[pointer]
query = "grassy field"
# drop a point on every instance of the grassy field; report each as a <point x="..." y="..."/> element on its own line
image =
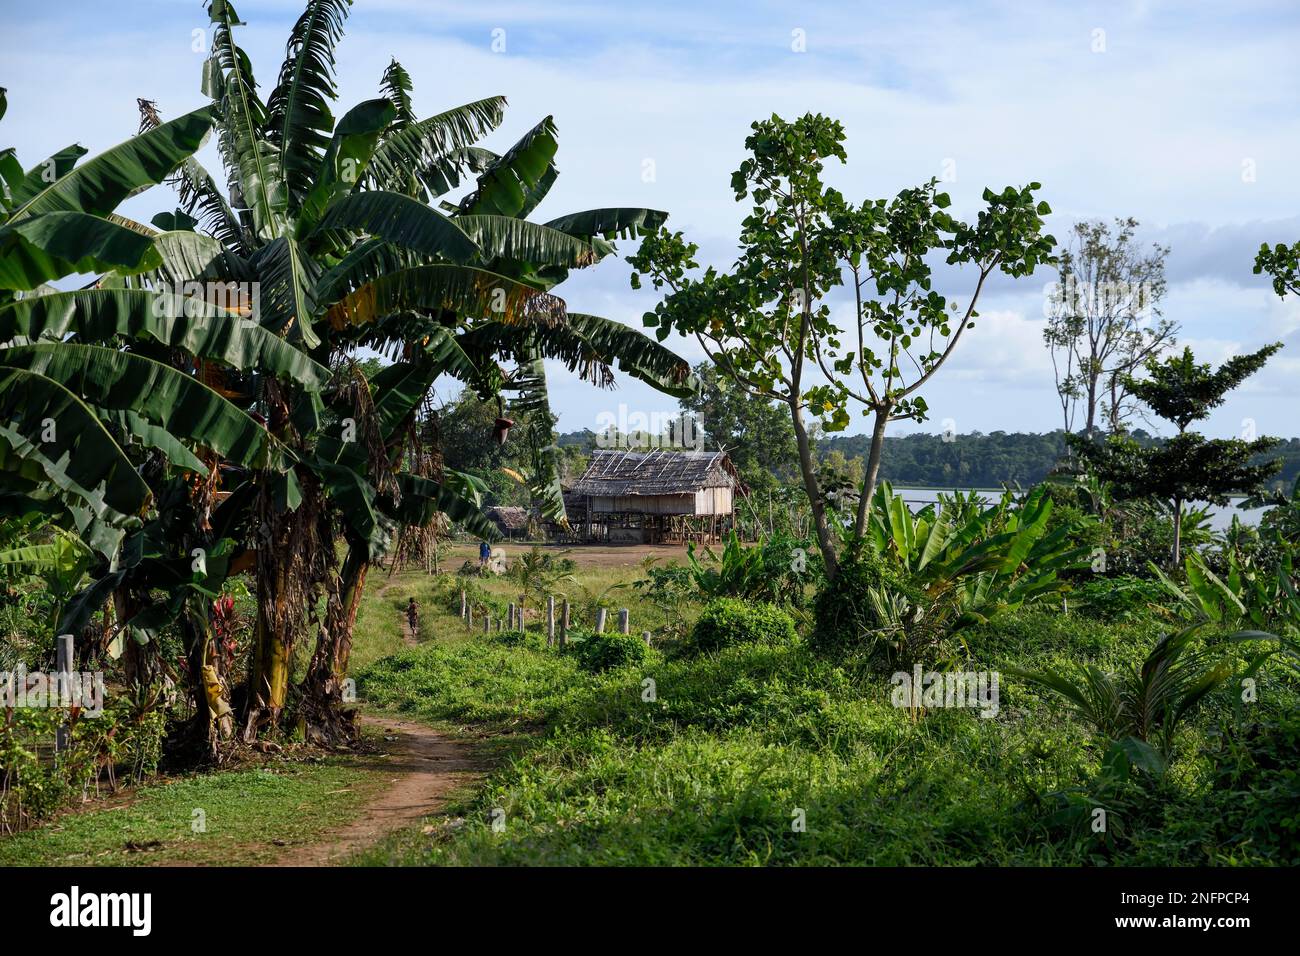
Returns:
<point x="250" y="816"/>
<point x="772" y="755"/>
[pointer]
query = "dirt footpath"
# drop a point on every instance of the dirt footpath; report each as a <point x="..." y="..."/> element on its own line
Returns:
<point x="427" y="768"/>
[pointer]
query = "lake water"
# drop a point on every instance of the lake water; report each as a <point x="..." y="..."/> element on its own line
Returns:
<point x="1220" y="517"/>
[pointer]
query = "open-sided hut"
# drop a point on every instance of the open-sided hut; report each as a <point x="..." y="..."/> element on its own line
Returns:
<point x="654" y="497"/>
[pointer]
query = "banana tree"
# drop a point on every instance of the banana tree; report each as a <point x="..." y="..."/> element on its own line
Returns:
<point x="331" y="223"/>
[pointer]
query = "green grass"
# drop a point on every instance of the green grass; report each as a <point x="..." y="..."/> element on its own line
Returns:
<point x="738" y="745"/>
<point x="244" y="812"/>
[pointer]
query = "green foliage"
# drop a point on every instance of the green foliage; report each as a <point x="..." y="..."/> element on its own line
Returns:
<point x="725" y="622"/>
<point x="1146" y="703"/>
<point x="601" y="652"/>
<point x="776" y="570"/>
<point x="918" y="579"/>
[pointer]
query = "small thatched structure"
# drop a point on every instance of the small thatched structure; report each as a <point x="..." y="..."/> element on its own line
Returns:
<point x="511" y="520"/>
<point x="655" y="496"/>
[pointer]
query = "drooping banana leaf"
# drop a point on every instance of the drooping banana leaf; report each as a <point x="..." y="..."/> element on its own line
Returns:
<point x="49" y="434"/>
<point x="414" y="149"/>
<point x="527" y="241"/>
<point x="47" y="172"/>
<point x="121" y="381"/>
<point x="98" y="185"/>
<point x="48" y="246"/>
<point x="460" y="289"/>
<point x="288" y="285"/>
<point x="98" y="316"/>
<point x="509" y="187"/>
<point x="423" y="498"/>
<point x="402" y="221"/>
<point x="345" y="161"/>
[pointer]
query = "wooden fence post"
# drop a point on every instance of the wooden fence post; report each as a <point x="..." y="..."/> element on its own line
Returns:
<point x="510" y="612"/>
<point x="487" y="623"/>
<point x="645" y="636"/>
<point x="469" y="618"/>
<point x="623" y="624"/>
<point x="550" y="620"/>
<point x="564" y="624"/>
<point x="464" y="604"/>
<point x="600" y="620"/>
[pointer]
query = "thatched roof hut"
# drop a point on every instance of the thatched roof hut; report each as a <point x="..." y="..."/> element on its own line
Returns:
<point x="511" y="520"/>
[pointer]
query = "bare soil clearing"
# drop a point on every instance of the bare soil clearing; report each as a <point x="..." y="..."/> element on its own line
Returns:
<point x="427" y="769"/>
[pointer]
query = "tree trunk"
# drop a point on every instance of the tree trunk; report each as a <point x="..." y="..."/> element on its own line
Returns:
<point x="269" y="674"/>
<point x="873" y="470"/>
<point x="1178" y="531"/>
<point x="324" y="719"/>
<point x="213" y="716"/>
<point x="813" y="490"/>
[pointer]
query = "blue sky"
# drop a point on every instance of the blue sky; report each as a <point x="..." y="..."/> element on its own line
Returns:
<point x="1158" y="124"/>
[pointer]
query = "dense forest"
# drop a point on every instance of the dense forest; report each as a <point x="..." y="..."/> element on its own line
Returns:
<point x="974" y="460"/>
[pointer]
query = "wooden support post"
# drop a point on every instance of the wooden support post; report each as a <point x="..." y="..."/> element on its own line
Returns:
<point x="600" y="620"/>
<point x="510" y="612"/>
<point x="464" y="604"/>
<point x="63" y="666"/>
<point x="564" y="624"/>
<point x="624" y="626"/>
<point x="645" y="636"/>
<point x="487" y="623"/>
<point x="550" y="620"/>
<point x="469" y="618"/>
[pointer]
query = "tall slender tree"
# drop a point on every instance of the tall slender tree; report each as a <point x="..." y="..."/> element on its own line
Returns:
<point x="768" y="324"/>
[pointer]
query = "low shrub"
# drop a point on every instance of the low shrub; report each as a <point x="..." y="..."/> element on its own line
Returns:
<point x="727" y="622"/>
<point x="602" y="652"/>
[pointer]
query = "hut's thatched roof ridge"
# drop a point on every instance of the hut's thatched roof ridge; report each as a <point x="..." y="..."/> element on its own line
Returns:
<point x="509" y="517"/>
<point x="616" y="473"/>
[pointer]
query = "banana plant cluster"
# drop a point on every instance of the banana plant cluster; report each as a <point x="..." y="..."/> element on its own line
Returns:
<point x="208" y="415"/>
<point x="981" y="560"/>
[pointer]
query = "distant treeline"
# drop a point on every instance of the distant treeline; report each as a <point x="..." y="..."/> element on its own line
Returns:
<point x="974" y="460"/>
<point x="978" y="460"/>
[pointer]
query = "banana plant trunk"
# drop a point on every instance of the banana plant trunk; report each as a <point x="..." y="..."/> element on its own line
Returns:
<point x="269" y="675"/>
<point x="213" y="715"/>
<point x="325" y="720"/>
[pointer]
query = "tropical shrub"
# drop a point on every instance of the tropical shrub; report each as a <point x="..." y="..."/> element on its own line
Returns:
<point x="1142" y="707"/>
<point x="775" y="571"/>
<point x="726" y="622"/>
<point x="916" y="580"/>
<point x="602" y="652"/>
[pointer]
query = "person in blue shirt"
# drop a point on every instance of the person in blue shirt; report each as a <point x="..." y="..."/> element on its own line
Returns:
<point x="484" y="554"/>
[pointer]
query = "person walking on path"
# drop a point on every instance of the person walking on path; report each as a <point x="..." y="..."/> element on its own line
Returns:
<point x="484" y="554"/>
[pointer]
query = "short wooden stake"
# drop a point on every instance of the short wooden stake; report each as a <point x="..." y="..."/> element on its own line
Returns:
<point x="564" y="624"/>
<point x="600" y="620"/>
<point x="645" y="636"/>
<point x="550" y="620"/>
<point x="624" y="626"/>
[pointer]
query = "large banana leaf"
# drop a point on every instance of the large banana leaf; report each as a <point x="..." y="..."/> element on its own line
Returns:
<point x="413" y="149"/>
<point x="98" y="316"/>
<point x="252" y="163"/>
<point x="299" y="119"/>
<point x="509" y="187"/>
<point x="402" y="221"/>
<point x="345" y="161"/>
<point x="120" y="381"/>
<point x="99" y="184"/>
<point x="459" y="289"/>
<point x="636" y="354"/>
<point x="288" y="287"/>
<point x="528" y="242"/>
<point x="423" y="498"/>
<point x="45" y="425"/>
<point x="191" y="256"/>
<point x="51" y="245"/>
